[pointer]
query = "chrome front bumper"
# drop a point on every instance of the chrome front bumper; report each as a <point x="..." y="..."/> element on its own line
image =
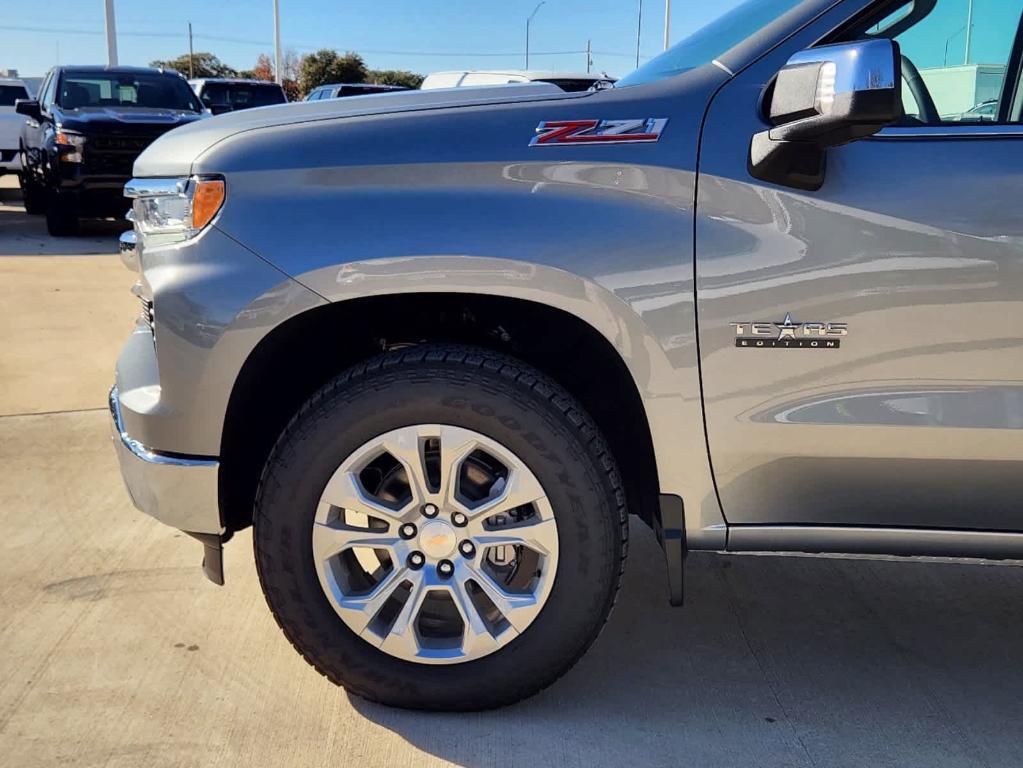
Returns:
<point x="178" y="491"/>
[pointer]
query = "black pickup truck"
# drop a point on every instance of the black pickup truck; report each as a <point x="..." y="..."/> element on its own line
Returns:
<point x="82" y="136"/>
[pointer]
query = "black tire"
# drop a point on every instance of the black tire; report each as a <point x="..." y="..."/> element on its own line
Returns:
<point x="61" y="215"/>
<point x="495" y="395"/>
<point x="33" y="196"/>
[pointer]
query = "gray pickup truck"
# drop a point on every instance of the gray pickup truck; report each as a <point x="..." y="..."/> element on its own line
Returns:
<point x="437" y="347"/>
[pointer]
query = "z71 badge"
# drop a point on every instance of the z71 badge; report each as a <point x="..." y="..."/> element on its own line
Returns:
<point x="560" y="132"/>
<point x="789" y="334"/>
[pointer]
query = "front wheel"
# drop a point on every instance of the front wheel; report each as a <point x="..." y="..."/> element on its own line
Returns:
<point x="61" y="215"/>
<point x="33" y="195"/>
<point x="441" y="528"/>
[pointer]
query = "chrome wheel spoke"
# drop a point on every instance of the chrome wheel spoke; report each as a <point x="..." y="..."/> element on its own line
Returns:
<point x="359" y="610"/>
<point x="330" y="539"/>
<point x="540" y="536"/>
<point x="401" y="640"/>
<point x="406" y="445"/>
<point x="520" y="488"/>
<point x="518" y="610"/>
<point x="455" y="446"/>
<point x="476" y="637"/>
<point x="345" y="492"/>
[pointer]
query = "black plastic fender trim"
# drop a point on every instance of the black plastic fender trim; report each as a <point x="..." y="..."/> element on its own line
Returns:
<point x="670" y="529"/>
<point x="213" y="556"/>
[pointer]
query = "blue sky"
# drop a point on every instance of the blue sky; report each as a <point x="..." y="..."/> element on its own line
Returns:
<point x="421" y="35"/>
<point x="389" y="33"/>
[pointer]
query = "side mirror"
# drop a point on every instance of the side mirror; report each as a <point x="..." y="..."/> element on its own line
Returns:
<point x="825" y="97"/>
<point x="29" y="108"/>
<point x="220" y="109"/>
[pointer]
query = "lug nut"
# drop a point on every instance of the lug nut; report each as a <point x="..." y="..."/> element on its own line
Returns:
<point x="467" y="548"/>
<point x="407" y="531"/>
<point x="445" y="568"/>
<point x="459" y="519"/>
<point x="430" y="510"/>
<point x="416" y="560"/>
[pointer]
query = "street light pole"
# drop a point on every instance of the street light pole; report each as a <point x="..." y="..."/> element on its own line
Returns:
<point x="969" y="32"/>
<point x="639" y="32"/>
<point x="111" y="34"/>
<point x="667" y="24"/>
<point x="191" y="54"/>
<point x="528" y="22"/>
<point x="277" y="43"/>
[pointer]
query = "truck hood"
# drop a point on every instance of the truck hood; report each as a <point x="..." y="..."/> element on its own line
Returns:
<point x="175" y="153"/>
<point x="134" y="120"/>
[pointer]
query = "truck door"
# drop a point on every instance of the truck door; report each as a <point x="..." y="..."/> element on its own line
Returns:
<point x="862" y="346"/>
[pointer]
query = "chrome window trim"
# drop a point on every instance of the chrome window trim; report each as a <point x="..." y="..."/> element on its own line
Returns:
<point x="155" y="187"/>
<point x="139" y="450"/>
<point x="950" y="132"/>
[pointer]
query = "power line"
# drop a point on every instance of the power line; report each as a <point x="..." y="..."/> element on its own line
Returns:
<point x="70" y="31"/>
<point x="264" y="43"/>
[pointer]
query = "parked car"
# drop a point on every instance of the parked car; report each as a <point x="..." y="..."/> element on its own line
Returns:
<point x="221" y="94"/>
<point x="84" y="132"/>
<point x="436" y="347"/>
<point x="566" y="81"/>
<point x="985" y="112"/>
<point x="341" y="90"/>
<point x="10" y="124"/>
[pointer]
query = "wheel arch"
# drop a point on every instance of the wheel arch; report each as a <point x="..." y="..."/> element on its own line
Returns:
<point x="575" y="330"/>
<point x="289" y="364"/>
<point x="291" y="361"/>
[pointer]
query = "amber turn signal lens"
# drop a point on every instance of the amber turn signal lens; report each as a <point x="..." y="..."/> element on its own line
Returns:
<point x="209" y="196"/>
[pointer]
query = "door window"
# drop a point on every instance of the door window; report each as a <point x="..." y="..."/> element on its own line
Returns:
<point x="956" y="56"/>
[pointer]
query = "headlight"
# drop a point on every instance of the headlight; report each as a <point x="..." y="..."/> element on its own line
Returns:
<point x="173" y="210"/>
<point x="69" y="145"/>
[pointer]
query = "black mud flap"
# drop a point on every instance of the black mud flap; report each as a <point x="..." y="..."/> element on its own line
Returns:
<point x="670" y="529"/>
<point x="213" y="556"/>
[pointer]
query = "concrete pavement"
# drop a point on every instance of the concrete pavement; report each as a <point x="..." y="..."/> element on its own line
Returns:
<point x="115" y="651"/>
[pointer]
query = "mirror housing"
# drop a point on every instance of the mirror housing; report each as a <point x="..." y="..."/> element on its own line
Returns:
<point x="825" y="97"/>
<point x="220" y="109"/>
<point x="29" y="108"/>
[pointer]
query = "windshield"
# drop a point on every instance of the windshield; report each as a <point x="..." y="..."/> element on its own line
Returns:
<point x="11" y="93"/>
<point x="242" y="95"/>
<point x="711" y="41"/>
<point x="118" y="89"/>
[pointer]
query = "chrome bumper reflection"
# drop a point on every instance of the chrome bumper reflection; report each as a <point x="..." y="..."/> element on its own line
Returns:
<point x="128" y="248"/>
<point x="178" y="491"/>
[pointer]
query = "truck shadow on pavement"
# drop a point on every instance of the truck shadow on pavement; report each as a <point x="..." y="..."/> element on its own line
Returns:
<point x="774" y="661"/>
<point x="24" y="235"/>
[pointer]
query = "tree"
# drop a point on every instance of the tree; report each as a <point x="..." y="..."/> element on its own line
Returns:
<point x="264" y="69"/>
<point x="327" y="66"/>
<point x="203" y="65"/>
<point x="395" y="77"/>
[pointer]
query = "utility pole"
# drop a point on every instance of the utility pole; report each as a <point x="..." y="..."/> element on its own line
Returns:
<point x="639" y="32"/>
<point x="278" y="75"/>
<point x="667" y="24"/>
<point x="589" y="56"/>
<point x="528" y="22"/>
<point x="969" y="32"/>
<point x="111" y="34"/>
<point x="191" y="55"/>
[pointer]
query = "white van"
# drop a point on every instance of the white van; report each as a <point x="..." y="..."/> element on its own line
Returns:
<point x="566" y="81"/>
<point x="10" y="123"/>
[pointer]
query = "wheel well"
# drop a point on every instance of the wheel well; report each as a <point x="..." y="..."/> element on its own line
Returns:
<point x="302" y="354"/>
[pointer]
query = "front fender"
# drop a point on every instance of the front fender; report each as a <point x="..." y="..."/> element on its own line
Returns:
<point x="457" y="201"/>
<point x="661" y="358"/>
